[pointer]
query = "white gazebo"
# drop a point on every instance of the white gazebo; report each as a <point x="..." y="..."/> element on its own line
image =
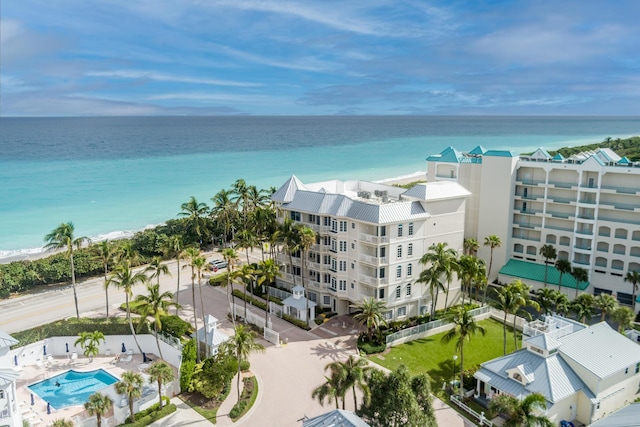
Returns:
<point x="296" y="305"/>
<point x="210" y="336"/>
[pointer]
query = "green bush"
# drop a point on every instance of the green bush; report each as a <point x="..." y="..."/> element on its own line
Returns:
<point x="245" y="365"/>
<point x="175" y="326"/>
<point x="237" y="409"/>
<point x="142" y="421"/>
<point x="150" y="409"/>
<point x="218" y="280"/>
<point x="214" y="375"/>
<point x="73" y="327"/>
<point x="188" y="366"/>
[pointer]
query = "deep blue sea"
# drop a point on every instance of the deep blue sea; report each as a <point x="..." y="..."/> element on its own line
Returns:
<point x="112" y="176"/>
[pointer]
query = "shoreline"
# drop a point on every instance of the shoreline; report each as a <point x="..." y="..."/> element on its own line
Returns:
<point x="33" y="254"/>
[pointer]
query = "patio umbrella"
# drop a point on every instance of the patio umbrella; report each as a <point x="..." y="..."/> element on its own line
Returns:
<point x="32" y="401"/>
<point x="144" y="357"/>
<point x="124" y="349"/>
<point x="67" y="346"/>
<point x="44" y="349"/>
<point x="48" y="408"/>
<point x="15" y="359"/>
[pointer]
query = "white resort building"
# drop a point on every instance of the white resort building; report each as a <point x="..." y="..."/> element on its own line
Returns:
<point x="586" y="206"/>
<point x="10" y="414"/>
<point x="370" y="238"/>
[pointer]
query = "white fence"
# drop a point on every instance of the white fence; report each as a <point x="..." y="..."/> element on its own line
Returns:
<point x="482" y="420"/>
<point x="279" y="293"/>
<point x="430" y="328"/>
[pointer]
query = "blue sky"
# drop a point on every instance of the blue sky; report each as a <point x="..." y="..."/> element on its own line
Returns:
<point x="191" y="57"/>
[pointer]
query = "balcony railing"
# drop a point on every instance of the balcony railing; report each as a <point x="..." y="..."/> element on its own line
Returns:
<point x="373" y="281"/>
<point x="563" y="184"/>
<point x="558" y="214"/>
<point x="618" y="189"/>
<point x="562" y="199"/>
<point x="374" y="239"/>
<point x="556" y="227"/>
<point x="373" y="259"/>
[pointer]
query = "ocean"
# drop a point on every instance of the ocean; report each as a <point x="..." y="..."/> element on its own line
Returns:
<point x="113" y="176"/>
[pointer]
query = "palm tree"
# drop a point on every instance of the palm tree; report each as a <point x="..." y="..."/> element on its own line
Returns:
<point x="431" y="278"/>
<point x="523" y="299"/>
<point x="633" y="277"/>
<point x="156" y="269"/>
<point x="506" y="301"/>
<point x="267" y="272"/>
<point x="162" y="373"/>
<point x="353" y="372"/>
<point x="546" y="299"/>
<point x="246" y="239"/>
<point x="332" y="388"/>
<point x="371" y="313"/>
<point x="124" y="278"/>
<point x="467" y="270"/>
<point x="103" y="252"/>
<point x="241" y="199"/>
<point x="194" y="260"/>
<point x="444" y="260"/>
<point x="519" y="413"/>
<point x="470" y="246"/>
<point x="231" y="257"/>
<point x="62" y="238"/>
<point x="562" y="303"/>
<point x="583" y="307"/>
<point x="155" y="304"/>
<point x="195" y="214"/>
<point x="306" y="238"/>
<point x="606" y="304"/>
<point x="98" y="404"/>
<point x="174" y="247"/>
<point x="623" y="316"/>
<point x="245" y="276"/>
<point x="548" y="252"/>
<point x="580" y="275"/>
<point x="89" y="342"/>
<point x="464" y="328"/>
<point x="241" y="345"/>
<point x="61" y="422"/>
<point x="563" y="266"/>
<point x="289" y="235"/>
<point x="493" y="242"/>
<point x="224" y="210"/>
<point x="131" y="386"/>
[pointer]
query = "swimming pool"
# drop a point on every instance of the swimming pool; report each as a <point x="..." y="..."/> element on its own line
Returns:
<point x="72" y="387"/>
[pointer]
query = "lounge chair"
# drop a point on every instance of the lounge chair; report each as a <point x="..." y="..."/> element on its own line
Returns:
<point x="127" y="359"/>
<point x="49" y="360"/>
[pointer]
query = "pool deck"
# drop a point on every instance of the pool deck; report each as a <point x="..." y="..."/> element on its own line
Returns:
<point x="36" y="414"/>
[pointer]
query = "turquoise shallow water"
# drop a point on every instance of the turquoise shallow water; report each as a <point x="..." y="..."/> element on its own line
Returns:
<point x="114" y="176"/>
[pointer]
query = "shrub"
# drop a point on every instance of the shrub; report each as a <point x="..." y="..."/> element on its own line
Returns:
<point x="218" y="280"/>
<point x="142" y="421"/>
<point x="188" y="365"/>
<point x="174" y="325"/>
<point x="245" y="365"/>
<point x="214" y="375"/>
<point x="371" y="348"/>
<point x="237" y="409"/>
<point x="150" y="409"/>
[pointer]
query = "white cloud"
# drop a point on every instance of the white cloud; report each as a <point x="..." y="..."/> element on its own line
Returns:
<point x="153" y="75"/>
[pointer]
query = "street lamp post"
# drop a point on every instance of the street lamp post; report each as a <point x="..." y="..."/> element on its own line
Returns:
<point x="453" y="376"/>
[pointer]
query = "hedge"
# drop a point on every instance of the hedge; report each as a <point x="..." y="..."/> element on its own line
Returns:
<point x="72" y="327"/>
<point x="261" y="305"/>
<point x="154" y="416"/>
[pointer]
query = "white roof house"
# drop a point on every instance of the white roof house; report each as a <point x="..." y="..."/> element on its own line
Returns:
<point x="210" y="336"/>
<point x="370" y="238"/>
<point x="335" y="418"/>
<point x="585" y="374"/>
<point x="9" y="411"/>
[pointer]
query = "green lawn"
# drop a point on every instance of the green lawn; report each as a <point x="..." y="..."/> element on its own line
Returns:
<point x="430" y="355"/>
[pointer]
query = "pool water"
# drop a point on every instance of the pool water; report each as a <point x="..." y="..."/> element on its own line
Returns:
<point x="72" y="388"/>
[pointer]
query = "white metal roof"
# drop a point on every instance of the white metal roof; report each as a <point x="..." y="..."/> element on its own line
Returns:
<point x="335" y="418"/>
<point x="7" y="340"/>
<point x="438" y="190"/>
<point x="600" y="349"/>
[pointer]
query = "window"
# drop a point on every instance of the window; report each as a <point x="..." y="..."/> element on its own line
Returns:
<point x="381" y="273"/>
<point x="327" y="240"/>
<point x="397" y="291"/>
<point x="327" y="260"/>
<point x="334" y="245"/>
<point x="402" y="311"/>
<point x="343" y="226"/>
<point x="326" y="300"/>
<point x="353" y="285"/>
<point x="353" y="265"/>
<point x="334" y="225"/>
<point x="637" y="367"/>
<point x="409" y="290"/>
<point x="399" y="251"/>
<point x="296" y="270"/>
<point x="409" y="269"/>
<point x="343" y="285"/>
<point x="626" y="370"/>
<point x="388" y="315"/>
<point x="383" y="252"/>
<point x="343" y="246"/>
<point x="327" y="221"/>
<point x="343" y="265"/>
<point x="294" y="215"/>
<point x="313" y="297"/>
<point x="353" y="245"/>
<point x="333" y="284"/>
<point x="410" y="249"/>
<point x="398" y="272"/>
<point x="334" y="264"/>
<point x="381" y="293"/>
<point x="353" y="225"/>
<point x="326" y="278"/>
<point x="410" y="229"/>
<point x="399" y="230"/>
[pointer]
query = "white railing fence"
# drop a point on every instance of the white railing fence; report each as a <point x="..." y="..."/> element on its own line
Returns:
<point x="482" y="420"/>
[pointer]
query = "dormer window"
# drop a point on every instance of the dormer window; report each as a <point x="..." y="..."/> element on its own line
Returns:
<point x="517" y="377"/>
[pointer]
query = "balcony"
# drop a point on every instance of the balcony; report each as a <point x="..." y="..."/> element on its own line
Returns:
<point x="374" y="239"/>
<point x="562" y="200"/>
<point x="562" y="184"/>
<point x="555" y="227"/>
<point x="587" y="201"/>
<point x="373" y="260"/>
<point x="527" y="225"/>
<point x="558" y="214"/>
<point x="585" y="231"/>
<point x="625" y="221"/>
<point x="621" y="190"/>
<point x="581" y="262"/>
<point x="619" y="206"/>
<point x="528" y="196"/>
<point x="526" y="181"/>
<point x="373" y="281"/>
<point x="524" y="237"/>
<point x="528" y="211"/>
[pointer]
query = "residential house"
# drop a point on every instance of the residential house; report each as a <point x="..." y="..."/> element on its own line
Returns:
<point x="10" y="415"/>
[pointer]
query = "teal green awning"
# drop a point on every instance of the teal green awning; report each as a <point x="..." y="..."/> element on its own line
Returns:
<point x="532" y="271"/>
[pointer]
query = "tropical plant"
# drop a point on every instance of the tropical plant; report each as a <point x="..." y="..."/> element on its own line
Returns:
<point x="231" y="257"/>
<point x="155" y="304"/>
<point x="161" y="373"/>
<point x="398" y="400"/>
<point x="333" y="388"/>
<point x="563" y="266"/>
<point x="241" y="345"/>
<point x="241" y="191"/>
<point x="103" y="251"/>
<point x="224" y="210"/>
<point x="580" y="275"/>
<point x="562" y="304"/>
<point x="468" y="271"/>
<point x="194" y="260"/>
<point x="606" y="304"/>
<point x="61" y="422"/>
<point x="98" y="404"/>
<point x="633" y="277"/>
<point x="157" y="268"/>
<point x="623" y="316"/>
<point x="62" y="237"/>
<point x="174" y="247"/>
<point x="583" y="307"/>
<point x="123" y="277"/>
<point x="444" y="261"/>
<point x="245" y="275"/>
<point x="90" y="342"/>
<point x="352" y="373"/>
<point x="546" y="299"/>
<point x="548" y="252"/>
<point x="464" y="327"/>
<point x="523" y="299"/>
<point x="493" y="242"/>
<point x="470" y="246"/>
<point x="267" y="272"/>
<point x="371" y="312"/>
<point x="289" y="235"/>
<point x="306" y="238"/>
<point x="131" y="386"/>
<point x="519" y="413"/>
<point x="195" y="217"/>
<point x="431" y="278"/>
